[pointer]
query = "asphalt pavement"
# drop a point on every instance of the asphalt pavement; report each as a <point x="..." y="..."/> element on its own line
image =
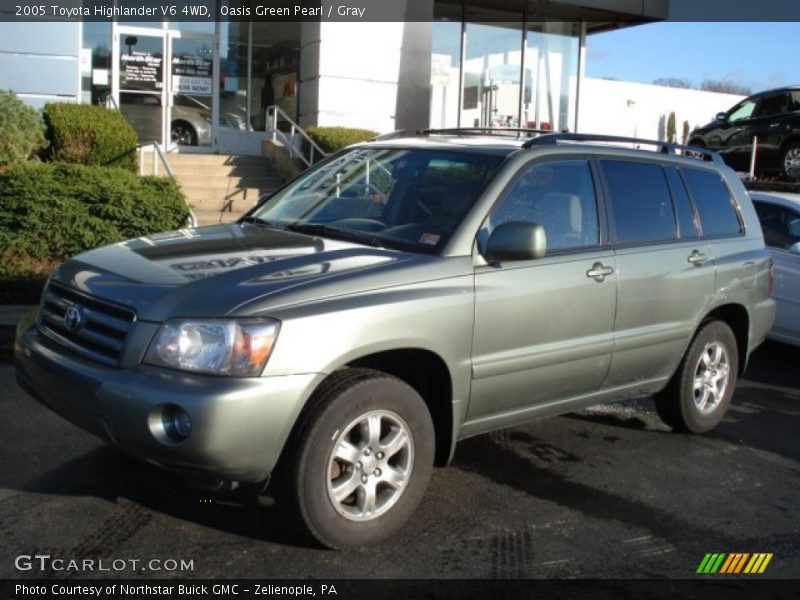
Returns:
<point x="606" y="492"/>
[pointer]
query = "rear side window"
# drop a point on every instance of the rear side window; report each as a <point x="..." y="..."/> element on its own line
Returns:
<point x="780" y="225"/>
<point x="714" y="203"/>
<point x="641" y="205"/>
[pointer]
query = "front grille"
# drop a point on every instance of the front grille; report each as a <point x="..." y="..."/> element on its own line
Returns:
<point x="100" y="333"/>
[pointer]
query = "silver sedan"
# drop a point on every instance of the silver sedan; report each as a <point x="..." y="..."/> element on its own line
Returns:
<point x="779" y="214"/>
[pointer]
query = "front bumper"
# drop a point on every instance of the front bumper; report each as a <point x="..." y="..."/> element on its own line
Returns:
<point x="239" y="425"/>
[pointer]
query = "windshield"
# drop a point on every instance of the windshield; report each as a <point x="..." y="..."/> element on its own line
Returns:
<point x="395" y="197"/>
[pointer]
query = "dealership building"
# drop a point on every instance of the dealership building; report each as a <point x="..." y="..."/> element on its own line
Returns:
<point x="206" y="85"/>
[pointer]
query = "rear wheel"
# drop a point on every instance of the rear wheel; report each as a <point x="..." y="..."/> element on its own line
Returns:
<point x="700" y="392"/>
<point x="790" y="162"/>
<point x="362" y="459"/>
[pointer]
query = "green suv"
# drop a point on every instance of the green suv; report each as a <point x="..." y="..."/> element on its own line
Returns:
<point x="404" y="294"/>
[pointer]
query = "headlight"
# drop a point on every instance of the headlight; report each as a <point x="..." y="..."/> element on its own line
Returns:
<point x="219" y="346"/>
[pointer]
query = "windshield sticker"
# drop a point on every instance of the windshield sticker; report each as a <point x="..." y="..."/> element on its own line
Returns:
<point x="429" y="238"/>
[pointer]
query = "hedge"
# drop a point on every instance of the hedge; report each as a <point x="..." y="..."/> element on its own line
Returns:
<point x="331" y="139"/>
<point x="50" y="211"/>
<point x="21" y="130"/>
<point x="89" y="135"/>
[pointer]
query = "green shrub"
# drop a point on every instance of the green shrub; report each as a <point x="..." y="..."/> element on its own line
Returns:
<point x="21" y="130"/>
<point x="50" y="211"/>
<point x="331" y="139"/>
<point x="85" y="134"/>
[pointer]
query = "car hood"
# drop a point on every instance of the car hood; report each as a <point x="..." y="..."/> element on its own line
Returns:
<point x="710" y="126"/>
<point x="224" y="269"/>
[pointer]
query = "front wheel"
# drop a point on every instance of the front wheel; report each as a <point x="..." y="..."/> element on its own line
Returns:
<point x="697" y="397"/>
<point x="363" y="458"/>
<point x="183" y="134"/>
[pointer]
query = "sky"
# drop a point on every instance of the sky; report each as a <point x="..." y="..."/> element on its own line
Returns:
<point x="757" y="55"/>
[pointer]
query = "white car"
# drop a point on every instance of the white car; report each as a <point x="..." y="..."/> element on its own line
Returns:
<point x="779" y="214"/>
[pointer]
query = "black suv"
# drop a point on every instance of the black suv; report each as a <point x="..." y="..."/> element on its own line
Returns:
<point x="773" y="117"/>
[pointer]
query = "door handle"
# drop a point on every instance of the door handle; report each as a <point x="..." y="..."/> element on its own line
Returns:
<point x="599" y="272"/>
<point x="697" y="258"/>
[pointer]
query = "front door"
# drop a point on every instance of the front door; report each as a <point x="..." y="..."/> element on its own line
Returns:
<point x="163" y="83"/>
<point x="544" y="328"/>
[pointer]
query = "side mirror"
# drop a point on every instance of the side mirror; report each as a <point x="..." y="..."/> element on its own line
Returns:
<point x="516" y="241"/>
<point x="795" y="248"/>
<point x="721" y="118"/>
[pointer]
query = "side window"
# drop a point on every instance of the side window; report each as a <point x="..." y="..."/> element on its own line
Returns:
<point x="557" y="195"/>
<point x="713" y="201"/>
<point x="772" y="105"/>
<point x="794" y="102"/>
<point x="781" y="226"/>
<point x="641" y="206"/>
<point x="683" y="206"/>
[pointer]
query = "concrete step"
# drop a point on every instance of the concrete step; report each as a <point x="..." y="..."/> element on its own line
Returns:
<point x="213" y="217"/>
<point x="176" y="158"/>
<point x="200" y="195"/>
<point x="228" y="182"/>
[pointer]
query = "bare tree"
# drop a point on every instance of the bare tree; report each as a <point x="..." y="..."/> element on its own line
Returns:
<point x="671" y="127"/>
<point x="725" y="87"/>
<point x="675" y="82"/>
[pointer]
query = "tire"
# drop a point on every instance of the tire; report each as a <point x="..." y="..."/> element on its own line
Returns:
<point x="711" y="363"/>
<point x="367" y="490"/>
<point x="183" y="134"/>
<point x="790" y="162"/>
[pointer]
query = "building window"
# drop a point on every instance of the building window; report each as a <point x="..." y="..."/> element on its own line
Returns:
<point x="492" y="64"/>
<point x="514" y="74"/>
<point x="551" y="75"/>
<point x="233" y="73"/>
<point x="96" y="62"/>
<point x="445" y="65"/>
<point x="275" y="69"/>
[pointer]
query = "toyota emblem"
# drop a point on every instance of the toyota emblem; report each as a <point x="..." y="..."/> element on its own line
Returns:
<point x="73" y="317"/>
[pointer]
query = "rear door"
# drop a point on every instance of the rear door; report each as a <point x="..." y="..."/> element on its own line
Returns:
<point x="544" y="328"/>
<point x="666" y="275"/>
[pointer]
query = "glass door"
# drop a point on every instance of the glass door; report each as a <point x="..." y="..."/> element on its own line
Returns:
<point x="163" y="83"/>
<point x="138" y="83"/>
<point x="191" y="91"/>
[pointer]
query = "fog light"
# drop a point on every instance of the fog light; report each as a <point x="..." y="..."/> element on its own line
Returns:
<point x="177" y="423"/>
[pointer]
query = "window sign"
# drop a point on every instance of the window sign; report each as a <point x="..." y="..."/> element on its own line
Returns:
<point x="191" y="74"/>
<point x="141" y="63"/>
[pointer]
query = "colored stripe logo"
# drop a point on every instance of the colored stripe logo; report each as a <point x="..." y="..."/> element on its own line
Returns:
<point x="734" y="563"/>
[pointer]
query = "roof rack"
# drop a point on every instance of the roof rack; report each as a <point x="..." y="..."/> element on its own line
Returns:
<point x="663" y="147"/>
<point x="515" y="132"/>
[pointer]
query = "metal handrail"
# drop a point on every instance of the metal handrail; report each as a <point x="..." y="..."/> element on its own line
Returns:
<point x="271" y="116"/>
<point x="158" y="154"/>
<point x="111" y="104"/>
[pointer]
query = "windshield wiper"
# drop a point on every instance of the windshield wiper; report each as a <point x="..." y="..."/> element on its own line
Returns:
<point x="265" y="222"/>
<point x="332" y="232"/>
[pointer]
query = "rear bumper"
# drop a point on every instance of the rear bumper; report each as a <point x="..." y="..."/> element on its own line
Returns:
<point x="239" y="426"/>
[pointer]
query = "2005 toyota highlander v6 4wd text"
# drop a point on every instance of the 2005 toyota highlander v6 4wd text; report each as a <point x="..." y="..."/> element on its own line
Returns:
<point x="406" y="293"/>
